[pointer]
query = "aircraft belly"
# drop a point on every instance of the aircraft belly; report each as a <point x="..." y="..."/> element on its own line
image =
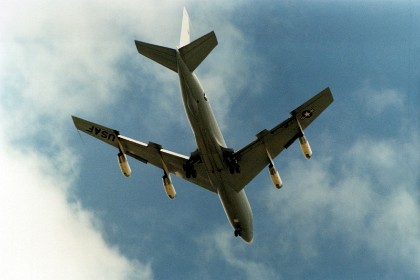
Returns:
<point x="237" y="209"/>
<point x="204" y="126"/>
<point x="210" y="142"/>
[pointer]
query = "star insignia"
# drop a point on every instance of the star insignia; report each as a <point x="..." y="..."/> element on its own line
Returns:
<point x="307" y="114"/>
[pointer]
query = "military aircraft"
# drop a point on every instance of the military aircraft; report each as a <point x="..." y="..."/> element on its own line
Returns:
<point x="213" y="165"/>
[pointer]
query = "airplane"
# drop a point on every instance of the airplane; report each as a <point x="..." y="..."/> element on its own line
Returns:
<point x="213" y="166"/>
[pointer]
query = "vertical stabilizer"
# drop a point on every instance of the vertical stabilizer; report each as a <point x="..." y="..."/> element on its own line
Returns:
<point x="185" y="30"/>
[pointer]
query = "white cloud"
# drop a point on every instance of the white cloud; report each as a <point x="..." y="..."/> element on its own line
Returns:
<point x="378" y="101"/>
<point x="372" y="201"/>
<point x="57" y="58"/>
<point x="46" y="235"/>
<point x="227" y="71"/>
<point x="219" y="244"/>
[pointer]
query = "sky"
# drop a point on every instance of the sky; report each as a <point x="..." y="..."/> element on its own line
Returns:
<point x="350" y="212"/>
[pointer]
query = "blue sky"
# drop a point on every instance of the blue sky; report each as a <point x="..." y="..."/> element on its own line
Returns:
<point x="350" y="212"/>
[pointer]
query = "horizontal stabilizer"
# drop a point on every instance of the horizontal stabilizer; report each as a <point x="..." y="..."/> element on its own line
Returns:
<point x="195" y="52"/>
<point x="162" y="55"/>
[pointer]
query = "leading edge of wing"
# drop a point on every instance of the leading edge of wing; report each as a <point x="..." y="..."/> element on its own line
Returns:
<point x="147" y="153"/>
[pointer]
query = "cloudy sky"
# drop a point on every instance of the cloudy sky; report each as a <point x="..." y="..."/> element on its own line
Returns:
<point x="350" y="212"/>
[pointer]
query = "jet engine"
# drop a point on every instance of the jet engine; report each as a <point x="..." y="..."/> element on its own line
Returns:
<point x="125" y="167"/>
<point x="306" y="148"/>
<point x="169" y="187"/>
<point x="275" y="176"/>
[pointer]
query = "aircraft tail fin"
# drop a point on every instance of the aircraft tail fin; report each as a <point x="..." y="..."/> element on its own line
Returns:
<point x="185" y="30"/>
<point x="194" y="53"/>
<point x="191" y="53"/>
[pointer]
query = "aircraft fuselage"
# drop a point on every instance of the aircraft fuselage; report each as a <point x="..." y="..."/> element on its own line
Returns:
<point x="212" y="148"/>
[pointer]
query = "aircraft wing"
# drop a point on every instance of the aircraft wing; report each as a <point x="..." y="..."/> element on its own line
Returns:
<point x="254" y="157"/>
<point x="147" y="153"/>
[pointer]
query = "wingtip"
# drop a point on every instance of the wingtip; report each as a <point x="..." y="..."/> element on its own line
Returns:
<point x="75" y="121"/>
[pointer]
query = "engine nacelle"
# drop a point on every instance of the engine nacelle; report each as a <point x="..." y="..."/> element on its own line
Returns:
<point x="306" y="148"/>
<point x="169" y="188"/>
<point x="125" y="167"/>
<point x="275" y="176"/>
